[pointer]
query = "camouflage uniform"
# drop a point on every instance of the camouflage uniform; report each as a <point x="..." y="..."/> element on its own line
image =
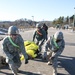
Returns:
<point x="54" y="52"/>
<point x="39" y="36"/>
<point x="12" y="52"/>
<point x="45" y="27"/>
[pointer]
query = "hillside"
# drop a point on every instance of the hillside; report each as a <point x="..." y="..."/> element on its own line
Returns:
<point x="21" y="23"/>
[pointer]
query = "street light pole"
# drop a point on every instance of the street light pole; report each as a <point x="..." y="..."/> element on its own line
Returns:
<point x="33" y="18"/>
<point x="74" y="20"/>
<point x="69" y="21"/>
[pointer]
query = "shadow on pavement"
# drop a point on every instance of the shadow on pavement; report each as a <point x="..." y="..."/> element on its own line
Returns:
<point x="70" y="44"/>
<point x="20" y="72"/>
<point x="60" y="74"/>
<point x="4" y="68"/>
<point x="27" y="73"/>
<point x="5" y="73"/>
<point x="40" y="60"/>
<point x="68" y="63"/>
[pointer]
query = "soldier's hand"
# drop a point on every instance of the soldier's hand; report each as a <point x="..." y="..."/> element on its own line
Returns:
<point x="26" y="61"/>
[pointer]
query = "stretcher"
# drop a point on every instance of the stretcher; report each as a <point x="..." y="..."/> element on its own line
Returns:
<point x="31" y="49"/>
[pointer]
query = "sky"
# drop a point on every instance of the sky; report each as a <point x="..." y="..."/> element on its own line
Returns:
<point x="37" y="10"/>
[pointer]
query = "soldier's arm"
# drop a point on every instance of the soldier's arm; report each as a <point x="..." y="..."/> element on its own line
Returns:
<point x="61" y="48"/>
<point x="44" y="36"/>
<point x="34" y="35"/>
<point x="22" y="47"/>
<point x="6" y="51"/>
<point x="45" y="47"/>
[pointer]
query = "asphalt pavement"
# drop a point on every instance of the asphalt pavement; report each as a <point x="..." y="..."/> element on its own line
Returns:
<point x="66" y="62"/>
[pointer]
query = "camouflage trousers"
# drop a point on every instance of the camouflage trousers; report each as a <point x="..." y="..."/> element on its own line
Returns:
<point x="14" y="67"/>
<point x="53" y="61"/>
<point x="40" y="44"/>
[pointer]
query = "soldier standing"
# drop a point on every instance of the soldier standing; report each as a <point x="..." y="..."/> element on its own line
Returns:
<point x="45" y="27"/>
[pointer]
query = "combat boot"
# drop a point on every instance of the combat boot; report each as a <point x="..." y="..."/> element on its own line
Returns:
<point x="49" y="63"/>
<point x="54" y="72"/>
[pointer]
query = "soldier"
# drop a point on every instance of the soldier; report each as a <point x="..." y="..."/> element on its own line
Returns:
<point x="56" y="45"/>
<point x="45" y="27"/>
<point x="13" y="45"/>
<point x="39" y="35"/>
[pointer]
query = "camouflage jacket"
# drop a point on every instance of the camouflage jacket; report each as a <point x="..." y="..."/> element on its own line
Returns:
<point x="12" y="51"/>
<point x="50" y="45"/>
<point x="39" y="35"/>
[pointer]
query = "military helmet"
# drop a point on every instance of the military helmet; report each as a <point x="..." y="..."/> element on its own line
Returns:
<point x="58" y="35"/>
<point x="13" y="30"/>
<point x="38" y="25"/>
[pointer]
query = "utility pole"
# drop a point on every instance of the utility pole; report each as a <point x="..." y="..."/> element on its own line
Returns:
<point x="69" y="21"/>
<point x="32" y="18"/>
<point x="74" y="20"/>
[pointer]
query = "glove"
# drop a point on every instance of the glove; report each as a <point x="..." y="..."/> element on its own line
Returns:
<point x="26" y="61"/>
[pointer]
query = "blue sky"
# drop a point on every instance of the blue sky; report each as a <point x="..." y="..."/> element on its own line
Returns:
<point x="39" y="9"/>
